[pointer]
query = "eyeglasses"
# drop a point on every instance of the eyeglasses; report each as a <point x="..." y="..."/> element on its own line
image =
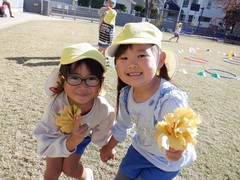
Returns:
<point x="75" y="80"/>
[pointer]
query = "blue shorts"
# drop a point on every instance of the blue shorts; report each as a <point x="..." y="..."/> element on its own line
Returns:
<point x="176" y="35"/>
<point x="134" y="165"/>
<point x="81" y="147"/>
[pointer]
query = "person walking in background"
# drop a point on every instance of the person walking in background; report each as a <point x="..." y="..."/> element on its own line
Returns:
<point x="145" y="96"/>
<point x="177" y="32"/>
<point x="7" y="3"/>
<point x="2" y="11"/>
<point x="106" y="26"/>
<point x="62" y="138"/>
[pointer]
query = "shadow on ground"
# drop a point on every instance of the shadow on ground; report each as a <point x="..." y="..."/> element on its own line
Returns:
<point x="46" y="61"/>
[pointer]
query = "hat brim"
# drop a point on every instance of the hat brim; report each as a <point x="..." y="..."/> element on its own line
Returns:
<point x="78" y="52"/>
<point x="171" y="62"/>
<point x="111" y="50"/>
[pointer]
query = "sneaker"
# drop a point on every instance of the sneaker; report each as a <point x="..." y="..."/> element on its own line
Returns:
<point x="89" y="174"/>
<point x="107" y="61"/>
<point x="12" y="16"/>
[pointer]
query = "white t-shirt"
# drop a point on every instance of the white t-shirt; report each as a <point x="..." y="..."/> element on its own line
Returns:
<point x="144" y="116"/>
<point x="51" y="142"/>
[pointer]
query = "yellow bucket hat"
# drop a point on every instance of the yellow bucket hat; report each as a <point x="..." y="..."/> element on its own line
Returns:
<point x="143" y="33"/>
<point x="70" y="55"/>
<point x="81" y="51"/>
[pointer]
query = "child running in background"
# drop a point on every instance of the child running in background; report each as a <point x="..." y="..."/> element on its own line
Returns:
<point x="177" y="32"/>
<point x="78" y="81"/>
<point x="145" y="96"/>
<point x="106" y="26"/>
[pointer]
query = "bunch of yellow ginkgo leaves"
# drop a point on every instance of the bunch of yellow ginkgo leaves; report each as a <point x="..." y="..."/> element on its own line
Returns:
<point x="66" y="118"/>
<point x="178" y="130"/>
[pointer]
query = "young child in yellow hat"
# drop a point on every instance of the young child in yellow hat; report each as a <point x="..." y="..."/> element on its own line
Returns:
<point x="106" y="26"/>
<point x="145" y="96"/>
<point x="177" y="32"/>
<point x="76" y="114"/>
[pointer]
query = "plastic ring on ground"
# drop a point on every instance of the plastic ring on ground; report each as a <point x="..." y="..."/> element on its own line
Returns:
<point x="233" y="76"/>
<point x="236" y="58"/>
<point x="232" y="62"/>
<point x="196" y="59"/>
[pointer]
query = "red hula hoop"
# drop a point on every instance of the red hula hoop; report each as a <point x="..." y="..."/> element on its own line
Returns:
<point x="196" y="59"/>
<point x="236" y="58"/>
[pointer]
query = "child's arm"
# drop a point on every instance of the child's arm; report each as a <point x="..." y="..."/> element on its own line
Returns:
<point x="102" y="11"/>
<point x="78" y="134"/>
<point x="107" y="152"/>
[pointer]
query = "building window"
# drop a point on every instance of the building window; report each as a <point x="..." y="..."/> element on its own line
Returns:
<point x="170" y="14"/>
<point x="182" y="17"/>
<point x="204" y="19"/>
<point x="209" y="4"/>
<point x="195" y="1"/>
<point x="185" y="3"/>
<point x="190" y="18"/>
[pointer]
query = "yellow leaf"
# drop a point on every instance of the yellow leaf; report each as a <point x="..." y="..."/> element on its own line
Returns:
<point x="179" y="129"/>
<point x="66" y="118"/>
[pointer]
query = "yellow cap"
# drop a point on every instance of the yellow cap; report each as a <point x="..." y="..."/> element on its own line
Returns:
<point x="143" y="33"/>
<point x="179" y="24"/>
<point x="110" y="17"/>
<point x="81" y="51"/>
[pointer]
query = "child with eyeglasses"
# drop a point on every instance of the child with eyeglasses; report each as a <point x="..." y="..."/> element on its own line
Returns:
<point x="78" y="81"/>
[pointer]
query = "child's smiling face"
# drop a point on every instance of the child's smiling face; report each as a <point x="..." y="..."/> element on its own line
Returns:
<point x="82" y="95"/>
<point x="137" y="66"/>
<point x="110" y="4"/>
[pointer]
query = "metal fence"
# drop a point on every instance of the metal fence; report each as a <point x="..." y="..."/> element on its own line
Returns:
<point x="71" y="11"/>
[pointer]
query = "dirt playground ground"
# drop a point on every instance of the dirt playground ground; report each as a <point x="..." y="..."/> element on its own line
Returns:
<point x="28" y="53"/>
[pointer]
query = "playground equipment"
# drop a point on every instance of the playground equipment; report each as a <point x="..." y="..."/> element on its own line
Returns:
<point x="213" y="26"/>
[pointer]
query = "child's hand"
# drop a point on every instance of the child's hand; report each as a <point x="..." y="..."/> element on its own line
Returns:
<point x="174" y="155"/>
<point x="107" y="153"/>
<point x="79" y="131"/>
<point x="108" y="8"/>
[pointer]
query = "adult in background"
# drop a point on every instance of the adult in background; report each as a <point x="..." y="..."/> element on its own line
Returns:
<point x="7" y="3"/>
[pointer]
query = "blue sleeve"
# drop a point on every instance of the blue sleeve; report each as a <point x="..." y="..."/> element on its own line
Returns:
<point x="172" y="99"/>
<point x="123" y="123"/>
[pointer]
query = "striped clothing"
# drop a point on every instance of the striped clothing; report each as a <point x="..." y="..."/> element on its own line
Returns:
<point x="106" y="33"/>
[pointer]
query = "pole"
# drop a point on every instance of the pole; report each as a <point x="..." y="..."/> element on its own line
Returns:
<point x="179" y="13"/>
<point x="41" y="7"/>
<point x="162" y="11"/>
<point x="200" y="18"/>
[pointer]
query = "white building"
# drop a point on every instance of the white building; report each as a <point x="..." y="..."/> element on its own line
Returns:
<point x="209" y="11"/>
<point x="16" y="5"/>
